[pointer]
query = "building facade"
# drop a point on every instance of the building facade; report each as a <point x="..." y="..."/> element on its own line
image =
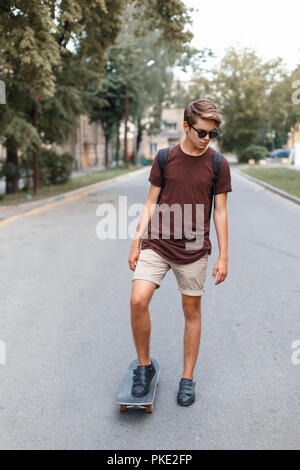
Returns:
<point x="86" y="143"/>
<point x="171" y="133"/>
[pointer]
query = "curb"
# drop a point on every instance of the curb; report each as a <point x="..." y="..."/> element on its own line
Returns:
<point x="282" y="193"/>
<point x="92" y="187"/>
<point x="28" y="207"/>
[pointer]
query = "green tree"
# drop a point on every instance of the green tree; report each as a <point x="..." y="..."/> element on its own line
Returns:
<point x="241" y="87"/>
<point x="284" y="105"/>
<point x="61" y="47"/>
<point x="58" y="46"/>
<point x="139" y="67"/>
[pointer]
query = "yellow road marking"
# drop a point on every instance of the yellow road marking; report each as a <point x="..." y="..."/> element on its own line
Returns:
<point x="93" y="187"/>
<point x="39" y="209"/>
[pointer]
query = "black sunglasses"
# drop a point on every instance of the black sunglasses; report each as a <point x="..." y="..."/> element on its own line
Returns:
<point x="202" y="133"/>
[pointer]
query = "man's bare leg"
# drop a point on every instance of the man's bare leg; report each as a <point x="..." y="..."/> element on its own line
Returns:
<point x="141" y="295"/>
<point x="192" y="312"/>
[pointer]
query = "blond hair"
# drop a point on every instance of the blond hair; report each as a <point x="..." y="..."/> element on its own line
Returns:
<point x="201" y="108"/>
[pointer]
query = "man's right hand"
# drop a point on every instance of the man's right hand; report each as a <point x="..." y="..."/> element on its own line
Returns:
<point x="134" y="256"/>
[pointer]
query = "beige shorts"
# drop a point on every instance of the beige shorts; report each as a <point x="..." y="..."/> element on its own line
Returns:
<point x="190" y="277"/>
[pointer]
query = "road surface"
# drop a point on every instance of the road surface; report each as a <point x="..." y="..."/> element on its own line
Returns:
<point x="65" y="327"/>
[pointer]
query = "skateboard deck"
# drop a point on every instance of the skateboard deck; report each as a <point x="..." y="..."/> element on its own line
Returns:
<point x="126" y="400"/>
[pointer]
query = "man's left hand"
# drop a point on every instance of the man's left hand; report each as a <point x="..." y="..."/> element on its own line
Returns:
<point x="220" y="268"/>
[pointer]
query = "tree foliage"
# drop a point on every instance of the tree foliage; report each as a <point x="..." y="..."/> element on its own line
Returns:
<point x="285" y="102"/>
<point x="241" y="87"/>
<point x="61" y="47"/>
<point x="139" y="61"/>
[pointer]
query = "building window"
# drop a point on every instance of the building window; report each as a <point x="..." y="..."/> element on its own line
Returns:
<point x="172" y="126"/>
<point x="153" y="148"/>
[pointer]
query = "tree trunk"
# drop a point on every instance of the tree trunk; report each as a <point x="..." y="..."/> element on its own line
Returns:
<point x="106" y="150"/>
<point x="35" y="157"/>
<point x="139" y="135"/>
<point x="12" y="177"/>
<point x="118" y="144"/>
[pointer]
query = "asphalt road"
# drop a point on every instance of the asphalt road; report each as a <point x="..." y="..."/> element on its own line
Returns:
<point x="65" y="323"/>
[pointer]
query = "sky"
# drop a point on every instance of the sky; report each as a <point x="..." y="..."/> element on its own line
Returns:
<point x="272" y="28"/>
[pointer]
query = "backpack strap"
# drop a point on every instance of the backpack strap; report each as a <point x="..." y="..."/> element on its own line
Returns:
<point x="217" y="163"/>
<point x="162" y="160"/>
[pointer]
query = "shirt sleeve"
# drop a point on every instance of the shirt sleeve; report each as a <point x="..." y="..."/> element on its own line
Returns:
<point x="155" y="174"/>
<point x="224" y="179"/>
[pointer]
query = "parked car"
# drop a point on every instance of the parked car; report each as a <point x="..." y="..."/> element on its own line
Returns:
<point x="280" y="153"/>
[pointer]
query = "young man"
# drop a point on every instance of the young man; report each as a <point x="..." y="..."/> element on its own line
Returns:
<point x="188" y="180"/>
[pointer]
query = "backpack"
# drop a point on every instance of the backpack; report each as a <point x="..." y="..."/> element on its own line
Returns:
<point x="217" y="163"/>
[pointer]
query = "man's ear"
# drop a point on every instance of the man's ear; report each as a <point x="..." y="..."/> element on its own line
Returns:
<point x="185" y="126"/>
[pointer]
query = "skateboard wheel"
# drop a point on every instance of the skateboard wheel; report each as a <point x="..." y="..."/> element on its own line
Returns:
<point x="122" y="408"/>
<point x="149" y="408"/>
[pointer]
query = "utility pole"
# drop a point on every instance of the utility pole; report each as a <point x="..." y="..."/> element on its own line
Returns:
<point x="149" y="63"/>
<point x="32" y="92"/>
<point x="35" y="156"/>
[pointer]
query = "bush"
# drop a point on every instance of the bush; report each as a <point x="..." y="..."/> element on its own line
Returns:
<point x="54" y="168"/>
<point x="257" y="152"/>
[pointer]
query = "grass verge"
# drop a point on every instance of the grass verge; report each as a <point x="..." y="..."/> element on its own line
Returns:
<point x="281" y="178"/>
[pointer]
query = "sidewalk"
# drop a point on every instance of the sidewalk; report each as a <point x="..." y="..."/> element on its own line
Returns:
<point x="12" y="211"/>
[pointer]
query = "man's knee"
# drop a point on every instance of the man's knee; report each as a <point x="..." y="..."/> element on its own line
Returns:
<point x="138" y="303"/>
<point x="192" y="308"/>
<point x="191" y="314"/>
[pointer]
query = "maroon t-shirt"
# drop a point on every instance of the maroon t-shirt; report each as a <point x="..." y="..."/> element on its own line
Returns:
<point x="188" y="181"/>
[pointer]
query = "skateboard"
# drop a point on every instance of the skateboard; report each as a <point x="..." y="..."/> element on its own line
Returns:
<point x="126" y="400"/>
